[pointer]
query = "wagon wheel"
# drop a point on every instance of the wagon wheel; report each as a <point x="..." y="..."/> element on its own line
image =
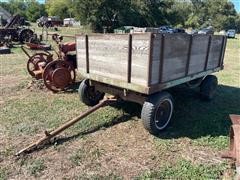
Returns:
<point x="58" y="75"/>
<point x="157" y="112"/>
<point x="88" y="94"/>
<point x="33" y="62"/>
<point x="208" y="87"/>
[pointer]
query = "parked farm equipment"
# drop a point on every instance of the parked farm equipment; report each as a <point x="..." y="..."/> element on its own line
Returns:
<point x="14" y="31"/>
<point x="59" y="73"/>
<point x="140" y="68"/>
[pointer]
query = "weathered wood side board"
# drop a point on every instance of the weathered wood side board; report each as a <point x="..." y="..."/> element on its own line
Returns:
<point x="148" y="62"/>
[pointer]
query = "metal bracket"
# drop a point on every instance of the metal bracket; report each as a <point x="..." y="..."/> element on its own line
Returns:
<point x="234" y="152"/>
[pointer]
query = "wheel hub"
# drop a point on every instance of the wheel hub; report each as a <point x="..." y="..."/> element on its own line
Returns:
<point x="61" y="77"/>
<point x="163" y="114"/>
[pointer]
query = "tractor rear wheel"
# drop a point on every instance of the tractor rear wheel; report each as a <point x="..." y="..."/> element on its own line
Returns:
<point x="25" y="35"/>
<point x="59" y="75"/>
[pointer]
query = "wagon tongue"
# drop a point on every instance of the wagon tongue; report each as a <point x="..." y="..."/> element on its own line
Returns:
<point x="234" y="152"/>
<point x="49" y="135"/>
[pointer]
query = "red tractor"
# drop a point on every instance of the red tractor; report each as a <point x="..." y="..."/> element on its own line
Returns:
<point x="57" y="74"/>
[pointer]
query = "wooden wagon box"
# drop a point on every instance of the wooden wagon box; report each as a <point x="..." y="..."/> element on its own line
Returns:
<point x="148" y="62"/>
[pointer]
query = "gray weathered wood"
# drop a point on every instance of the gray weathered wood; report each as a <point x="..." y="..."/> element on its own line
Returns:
<point x="167" y="61"/>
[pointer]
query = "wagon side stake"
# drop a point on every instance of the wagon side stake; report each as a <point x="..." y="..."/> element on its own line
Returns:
<point x="49" y="135"/>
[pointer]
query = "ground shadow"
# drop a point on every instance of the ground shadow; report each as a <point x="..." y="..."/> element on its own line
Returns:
<point x="73" y="88"/>
<point x="193" y="118"/>
<point x="129" y="113"/>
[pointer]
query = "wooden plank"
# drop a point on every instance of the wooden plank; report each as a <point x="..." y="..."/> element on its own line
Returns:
<point x="140" y="54"/>
<point x="175" y="56"/>
<point x="198" y="53"/>
<point x="156" y="58"/>
<point x="117" y="83"/>
<point x="109" y="55"/>
<point x="159" y="87"/>
<point x="215" y="52"/>
<point x="81" y="53"/>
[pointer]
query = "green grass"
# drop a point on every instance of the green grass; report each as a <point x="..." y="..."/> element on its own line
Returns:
<point x="195" y="125"/>
<point x="35" y="167"/>
<point x="185" y="170"/>
<point x="3" y="173"/>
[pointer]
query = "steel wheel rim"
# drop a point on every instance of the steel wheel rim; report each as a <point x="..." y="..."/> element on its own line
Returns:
<point x="47" y="77"/>
<point x="163" y="114"/>
<point x="33" y="62"/>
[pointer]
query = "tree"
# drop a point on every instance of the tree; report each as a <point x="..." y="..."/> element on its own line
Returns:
<point x="35" y="10"/>
<point x="30" y="9"/>
<point x="112" y="13"/>
<point x="60" y="8"/>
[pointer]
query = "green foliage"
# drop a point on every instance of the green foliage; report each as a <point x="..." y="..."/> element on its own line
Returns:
<point x="61" y="8"/>
<point x="112" y="14"/>
<point x="3" y="173"/>
<point x="30" y="9"/>
<point x="35" y="10"/>
<point x="35" y="167"/>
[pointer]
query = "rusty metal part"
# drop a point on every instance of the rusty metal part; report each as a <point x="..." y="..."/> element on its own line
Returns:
<point x="67" y="47"/>
<point x="38" y="46"/>
<point x="36" y="64"/>
<point x="15" y="30"/>
<point x="49" y="135"/>
<point x="58" y="75"/>
<point x="234" y="152"/>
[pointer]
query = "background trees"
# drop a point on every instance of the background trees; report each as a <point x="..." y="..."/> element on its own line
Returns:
<point x="111" y="14"/>
<point x="30" y="9"/>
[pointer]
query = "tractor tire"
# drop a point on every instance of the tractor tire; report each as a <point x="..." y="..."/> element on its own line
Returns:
<point x="88" y="95"/>
<point x="157" y="112"/>
<point x="25" y="35"/>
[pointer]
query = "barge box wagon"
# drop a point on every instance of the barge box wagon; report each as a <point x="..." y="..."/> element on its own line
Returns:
<point x="147" y="62"/>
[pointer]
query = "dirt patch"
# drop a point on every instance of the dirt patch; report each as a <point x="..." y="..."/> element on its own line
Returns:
<point x="201" y="155"/>
<point x="9" y="81"/>
<point x="36" y="85"/>
<point x="125" y="150"/>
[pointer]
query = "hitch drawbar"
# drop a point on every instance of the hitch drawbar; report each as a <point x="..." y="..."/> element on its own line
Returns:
<point x="49" y="135"/>
<point x="234" y="152"/>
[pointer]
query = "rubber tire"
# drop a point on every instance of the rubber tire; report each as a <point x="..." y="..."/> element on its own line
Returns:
<point x="22" y="35"/>
<point x="149" y="109"/>
<point x="83" y="91"/>
<point x="208" y="87"/>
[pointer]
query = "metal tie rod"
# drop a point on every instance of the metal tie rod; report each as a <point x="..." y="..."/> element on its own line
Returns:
<point x="49" y="135"/>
